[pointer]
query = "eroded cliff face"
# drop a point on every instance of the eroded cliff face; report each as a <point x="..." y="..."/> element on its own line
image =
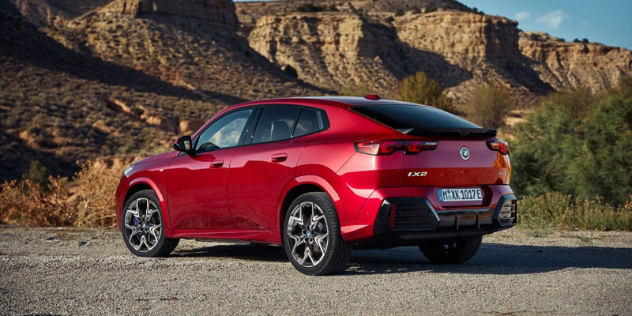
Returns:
<point x="462" y="50"/>
<point x="329" y="50"/>
<point x="563" y="65"/>
<point x="462" y="38"/>
<point x="337" y="50"/>
<point x="221" y="11"/>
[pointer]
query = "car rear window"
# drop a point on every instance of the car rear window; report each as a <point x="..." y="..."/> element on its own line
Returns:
<point x="404" y="116"/>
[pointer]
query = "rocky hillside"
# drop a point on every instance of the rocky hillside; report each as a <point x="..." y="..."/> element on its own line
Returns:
<point x="461" y="49"/>
<point x="562" y="64"/>
<point x="87" y="78"/>
<point x="108" y="82"/>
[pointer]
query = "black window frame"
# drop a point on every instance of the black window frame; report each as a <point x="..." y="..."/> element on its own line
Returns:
<point x="323" y="122"/>
<point x="242" y="137"/>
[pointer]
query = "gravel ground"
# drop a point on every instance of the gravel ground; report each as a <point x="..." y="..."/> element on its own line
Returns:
<point x="70" y="271"/>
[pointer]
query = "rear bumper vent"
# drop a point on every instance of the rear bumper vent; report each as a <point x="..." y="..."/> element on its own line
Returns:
<point x="407" y="214"/>
<point x="414" y="216"/>
<point x="505" y="213"/>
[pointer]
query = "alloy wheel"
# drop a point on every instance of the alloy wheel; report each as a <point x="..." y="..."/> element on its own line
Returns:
<point x="307" y="234"/>
<point x="143" y="224"/>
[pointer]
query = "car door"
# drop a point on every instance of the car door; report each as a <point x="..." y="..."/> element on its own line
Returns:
<point x="260" y="170"/>
<point x="197" y="193"/>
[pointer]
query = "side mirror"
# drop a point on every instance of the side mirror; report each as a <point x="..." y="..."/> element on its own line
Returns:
<point x="183" y="144"/>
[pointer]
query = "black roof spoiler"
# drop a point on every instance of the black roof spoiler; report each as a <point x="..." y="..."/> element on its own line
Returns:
<point x="449" y="132"/>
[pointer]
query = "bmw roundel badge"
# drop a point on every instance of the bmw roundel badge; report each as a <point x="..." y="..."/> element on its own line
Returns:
<point x="465" y="153"/>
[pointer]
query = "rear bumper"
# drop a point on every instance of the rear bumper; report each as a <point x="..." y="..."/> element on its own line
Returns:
<point x="393" y="217"/>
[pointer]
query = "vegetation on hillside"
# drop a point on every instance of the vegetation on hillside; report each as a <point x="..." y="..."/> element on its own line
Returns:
<point x="87" y="200"/>
<point x="578" y="145"/>
<point x="418" y="88"/>
<point x="572" y="161"/>
<point x="489" y="106"/>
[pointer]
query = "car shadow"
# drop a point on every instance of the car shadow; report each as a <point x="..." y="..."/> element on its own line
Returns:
<point x="501" y="259"/>
<point x="251" y="252"/>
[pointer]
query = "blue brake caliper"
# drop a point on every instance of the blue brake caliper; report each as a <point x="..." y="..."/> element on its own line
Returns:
<point x="134" y="223"/>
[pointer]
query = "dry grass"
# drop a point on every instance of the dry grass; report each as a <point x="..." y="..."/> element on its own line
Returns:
<point x="32" y="204"/>
<point x="558" y="211"/>
<point x="87" y="201"/>
<point x="96" y="184"/>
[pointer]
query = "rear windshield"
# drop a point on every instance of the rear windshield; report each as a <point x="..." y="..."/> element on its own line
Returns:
<point x="404" y="116"/>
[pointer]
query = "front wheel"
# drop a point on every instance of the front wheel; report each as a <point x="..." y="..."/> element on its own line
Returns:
<point x="143" y="229"/>
<point x="311" y="235"/>
<point x="451" y="251"/>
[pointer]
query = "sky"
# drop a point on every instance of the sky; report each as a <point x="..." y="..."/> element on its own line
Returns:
<point x="604" y="21"/>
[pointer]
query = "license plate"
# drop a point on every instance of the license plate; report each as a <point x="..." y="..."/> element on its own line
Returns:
<point x="460" y="195"/>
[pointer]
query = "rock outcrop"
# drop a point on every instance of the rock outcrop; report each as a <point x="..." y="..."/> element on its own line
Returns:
<point x="330" y="50"/>
<point x="462" y="38"/>
<point x="221" y="11"/>
<point x="563" y="64"/>
<point x="461" y="49"/>
<point x="337" y="50"/>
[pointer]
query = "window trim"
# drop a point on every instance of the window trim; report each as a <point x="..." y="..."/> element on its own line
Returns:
<point x="323" y="122"/>
<point x="241" y="137"/>
<point x="318" y="117"/>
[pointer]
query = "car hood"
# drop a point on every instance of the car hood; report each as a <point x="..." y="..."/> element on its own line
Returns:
<point x="155" y="158"/>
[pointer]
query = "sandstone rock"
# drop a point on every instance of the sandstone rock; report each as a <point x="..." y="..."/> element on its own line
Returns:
<point x="165" y="123"/>
<point x="188" y="127"/>
<point x="120" y="107"/>
<point x="564" y="65"/>
<point x="331" y="50"/>
<point x="462" y="38"/>
<point x="337" y="50"/>
<point x="221" y="11"/>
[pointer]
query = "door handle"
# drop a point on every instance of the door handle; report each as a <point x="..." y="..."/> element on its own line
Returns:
<point x="216" y="163"/>
<point x="278" y="157"/>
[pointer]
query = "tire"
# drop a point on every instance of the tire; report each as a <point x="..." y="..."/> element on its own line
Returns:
<point x="304" y="243"/>
<point x="451" y="251"/>
<point x="143" y="229"/>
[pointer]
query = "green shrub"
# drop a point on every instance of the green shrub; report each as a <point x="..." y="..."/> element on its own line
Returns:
<point x="489" y="106"/>
<point x="36" y="174"/>
<point x="577" y="145"/>
<point x="625" y="88"/>
<point x="418" y="88"/>
<point x="430" y="8"/>
<point x="399" y="12"/>
<point x="308" y="7"/>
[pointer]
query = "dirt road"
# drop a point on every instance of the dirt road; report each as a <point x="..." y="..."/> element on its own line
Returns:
<point x="62" y="271"/>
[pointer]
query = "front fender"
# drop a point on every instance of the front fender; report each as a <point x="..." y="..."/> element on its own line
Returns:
<point x="133" y="185"/>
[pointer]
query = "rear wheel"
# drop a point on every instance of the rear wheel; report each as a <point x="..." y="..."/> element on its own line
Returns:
<point x="143" y="229"/>
<point x="311" y="235"/>
<point x="451" y="251"/>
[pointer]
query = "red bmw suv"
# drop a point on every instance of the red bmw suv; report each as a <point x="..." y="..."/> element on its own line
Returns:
<point x="320" y="176"/>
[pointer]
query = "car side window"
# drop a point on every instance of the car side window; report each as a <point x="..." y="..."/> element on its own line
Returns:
<point x="275" y="123"/>
<point x="224" y="132"/>
<point x="308" y="123"/>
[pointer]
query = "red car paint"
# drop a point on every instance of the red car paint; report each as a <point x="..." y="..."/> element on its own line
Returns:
<point x="243" y="192"/>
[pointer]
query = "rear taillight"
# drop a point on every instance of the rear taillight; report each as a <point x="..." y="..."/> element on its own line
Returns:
<point x="387" y="147"/>
<point x="415" y="147"/>
<point x="501" y="147"/>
